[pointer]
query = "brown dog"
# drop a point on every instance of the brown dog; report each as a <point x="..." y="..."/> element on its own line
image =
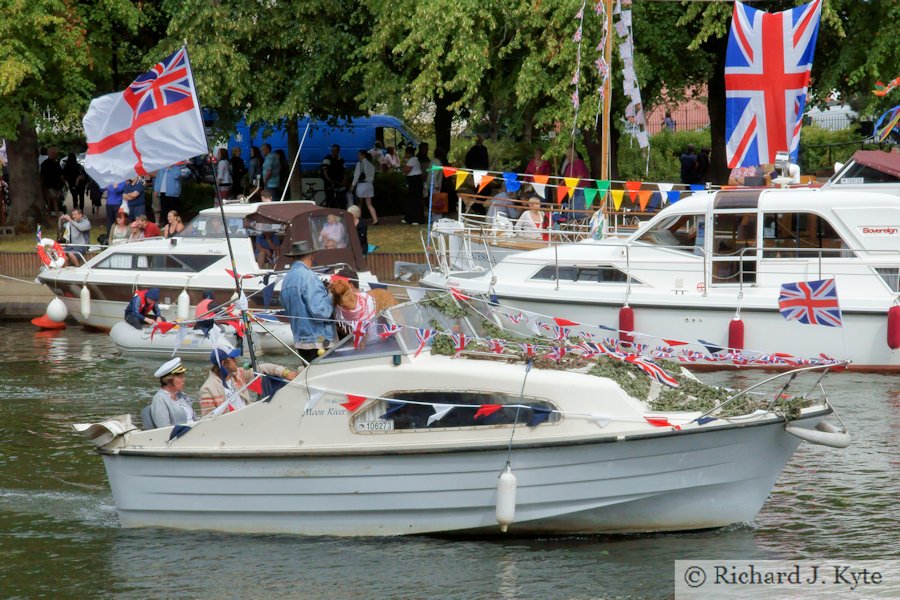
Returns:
<point x="383" y="299"/>
<point x="343" y="294"/>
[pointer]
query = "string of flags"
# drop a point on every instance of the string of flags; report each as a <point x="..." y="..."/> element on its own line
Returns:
<point x="639" y="193"/>
<point x="635" y="109"/>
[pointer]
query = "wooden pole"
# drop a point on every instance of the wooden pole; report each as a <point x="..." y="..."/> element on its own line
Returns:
<point x="607" y="91"/>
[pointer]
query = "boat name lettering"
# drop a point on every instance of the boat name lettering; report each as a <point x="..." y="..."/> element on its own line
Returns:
<point x="329" y="412"/>
<point x="880" y="230"/>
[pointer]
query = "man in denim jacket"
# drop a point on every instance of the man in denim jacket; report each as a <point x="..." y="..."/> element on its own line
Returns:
<point x="308" y="304"/>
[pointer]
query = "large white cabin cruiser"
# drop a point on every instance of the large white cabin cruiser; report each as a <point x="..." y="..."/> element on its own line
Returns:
<point x="197" y="259"/>
<point x="717" y="256"/>
<point x="396" y="438"/>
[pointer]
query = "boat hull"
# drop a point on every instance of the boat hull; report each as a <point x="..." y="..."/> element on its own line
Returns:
<point x="683" y="480"/>
<point x="139" y="342"/>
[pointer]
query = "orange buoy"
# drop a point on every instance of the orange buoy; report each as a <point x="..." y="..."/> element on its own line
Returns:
<point x="626" y="324"/>
<point x="736" y="334"/>
<point x="893" y="328"/>
<point x="45" y="322"/>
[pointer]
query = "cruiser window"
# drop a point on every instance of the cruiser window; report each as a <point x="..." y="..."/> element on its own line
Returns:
<point x="328" y="232"/>
<point x="857" y="174"/>
<point x="210" y="226"/>
<point x="678" y="232"/>
<point x="184" y="263"/>
<point x="598" y="274"/>
<point x="733" y="247"/>
<point x="799" y="234"/>
<point x="385" y="415"/>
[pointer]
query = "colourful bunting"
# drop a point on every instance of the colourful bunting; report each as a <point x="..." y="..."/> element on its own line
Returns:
<point x="571" y="184"/>
<point x="256" y="385"/>
<point x="512" y="181"/>
<point x="162" y="327"/>
<point x="423" y="335"/>
<point x="440" y="411"/>
<point x="448" y="171"/>
<point x="353" y="402"/>
<point x="644" y="198"/>
<point x="697" y="187"/>
<point x="538" y="416"/>
<point x="459" y="344"/>
<point x="589" y="195"/>
<point x="461" y="177"/>
<point x="673" y="196"/>
<point x="561" y="193"/>
<point x="486" y="410"/>
<point x="617" y="196"/>
<point x="661" y="422"/>
<point x="539" y="183"/>
<point x="633" y="187"/>
<point x="485" y="180"/>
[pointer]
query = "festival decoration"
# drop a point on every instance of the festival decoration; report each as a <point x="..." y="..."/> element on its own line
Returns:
<point x="811" y="302"/>
<point x="353" y="402"/>
<point x="883" y="90"/>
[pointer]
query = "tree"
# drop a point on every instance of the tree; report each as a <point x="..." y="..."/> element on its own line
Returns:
<point x="271" y="62"/>
<point x="49" y="66"/>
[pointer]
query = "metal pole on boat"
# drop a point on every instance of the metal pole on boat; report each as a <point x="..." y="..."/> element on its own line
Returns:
<point x="294" y="164"/>
<point x="237" y="278"/>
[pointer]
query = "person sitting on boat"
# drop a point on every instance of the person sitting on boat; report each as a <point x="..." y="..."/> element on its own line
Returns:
<point x="170" y="405"/>
<point x="530" y="223"/>
<point x="307" y="303"/>
<point x="228" y="381"/>
<point x="143" y="308"/>
<point x="333" y="234"/>
<point x="265" y="247"/>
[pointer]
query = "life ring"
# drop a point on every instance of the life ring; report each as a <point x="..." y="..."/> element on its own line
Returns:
<point x="51" y="253"/>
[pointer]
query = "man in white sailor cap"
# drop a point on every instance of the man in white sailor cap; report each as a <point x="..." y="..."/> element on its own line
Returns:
<point x="170" y="405"/>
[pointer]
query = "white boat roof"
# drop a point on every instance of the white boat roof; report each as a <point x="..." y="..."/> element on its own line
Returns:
<point x="243" y="209"/>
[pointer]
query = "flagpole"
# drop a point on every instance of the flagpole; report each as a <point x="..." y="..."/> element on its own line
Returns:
<point x="248" y="333"/>
<point x="607" y="90"/>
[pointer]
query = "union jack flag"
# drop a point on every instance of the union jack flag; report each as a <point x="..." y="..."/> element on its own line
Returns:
<point x="588" y="350"/>
<point x="517" y="318"/>
<point x="388" y="330"/>
<point x="767" y="67"/>
<point x="162" y="91"/>
<point x="556" y="353"/>
<point x="496" y="346"/>
<point x="663" y="352"/>
<point x="562" y="328"/>
<point x="528" y="349"/>
<point x="360" y="328"/>
<point x="423" y="335"/>
<point x="459" y="343"/>
<point x="811" y="302"/>
<point x="545" y="326"/>
<point x="653" y="370"/>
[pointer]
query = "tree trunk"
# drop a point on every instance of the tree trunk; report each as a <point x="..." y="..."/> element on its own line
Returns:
<point x="27" y="207"/>
<point x="293" y="139"/>
<point x="718" y="167"/>
<point x="443" y="120"/>
<point x="594" y="149"/>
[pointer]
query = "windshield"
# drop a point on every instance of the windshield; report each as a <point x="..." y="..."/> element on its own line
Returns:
<point x="210" y="226"/>
<point x="681" y="232"/>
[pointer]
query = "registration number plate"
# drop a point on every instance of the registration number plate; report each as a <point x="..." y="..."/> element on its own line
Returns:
<point x="375" y="426"/>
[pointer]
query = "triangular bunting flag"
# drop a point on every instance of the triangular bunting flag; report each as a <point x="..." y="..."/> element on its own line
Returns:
<point x="449" y="171"/>
<point x="512" y="181"/>
<point x="353" y="402"/>
<point x="393" y="407"/>
<point x="601" y="420"/>
<point x="539" y="183"/>
<point x="538" y="416"/>
<point x="440" y="411"/>
<point x="315" y="394"/>
<point x="673" y="196"/>
<point x="461" y="178"/>
<point x="697" y="187"/>
<point x="540" y="179"/>
<point x="485" y="180"/>
<point x="589" y="195"/>
<point x="571" y="183"/>
<point x="561" y="193"/>
<point x="711" y="346"/>
<point x="617" y="195"/>
<point x="603" y="186"/>
<point x="486" y="410"/>
<point x="644" y="198"/>
<point x="162" y="327"/>
<point x="633" y="187"/>
<point x="256" y="385"/>
<point x="664" y="189"/>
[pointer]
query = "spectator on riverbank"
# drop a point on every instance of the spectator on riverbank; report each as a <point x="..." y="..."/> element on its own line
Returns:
<point x="167" y="187"/>
<point x="113" y="202"/>
<point x="271" y="171"/>
<point x="688" y="165"/>
<point x="76" y="180"/>
<point x="413" y="171"/>
<point x="52" y="180"/>
<point x="133" y="194"/>
<point x="477" y="156"/>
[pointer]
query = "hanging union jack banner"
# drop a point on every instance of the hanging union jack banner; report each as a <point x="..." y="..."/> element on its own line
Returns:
<point x="154" y="123"/>
<point x="767" y="66"/>
<point x="811" y="302"/>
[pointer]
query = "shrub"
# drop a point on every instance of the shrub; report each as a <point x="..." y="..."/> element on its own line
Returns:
<point x="665" y="149"/>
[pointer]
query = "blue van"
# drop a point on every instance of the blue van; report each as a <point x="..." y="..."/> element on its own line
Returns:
<point x="352" y="135"/>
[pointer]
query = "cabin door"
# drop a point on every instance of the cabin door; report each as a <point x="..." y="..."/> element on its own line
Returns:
<point x="733" y="247"/>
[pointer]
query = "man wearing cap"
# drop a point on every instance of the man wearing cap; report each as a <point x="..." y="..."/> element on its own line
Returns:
<point x="229" y="381"/>
<point x="143" y="308"/>
<point x="170" y="405"/>
<point x="307" y="303"/>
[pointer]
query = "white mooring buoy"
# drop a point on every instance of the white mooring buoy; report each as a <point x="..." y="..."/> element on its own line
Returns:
<point x="506" y="498"/>
<point x="57" y="311"/>
<point x="183" y="306"/>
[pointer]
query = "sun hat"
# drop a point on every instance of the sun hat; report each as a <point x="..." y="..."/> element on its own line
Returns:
<point x="219" y="354"/>
<point x="301" y="248"/>
<point x="172" y="367"/>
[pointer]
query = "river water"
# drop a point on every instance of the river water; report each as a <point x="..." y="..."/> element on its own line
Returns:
<point x="60" y="537"/>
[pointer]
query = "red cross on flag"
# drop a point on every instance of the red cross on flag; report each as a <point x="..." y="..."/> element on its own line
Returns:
<point x="154" y="123"/>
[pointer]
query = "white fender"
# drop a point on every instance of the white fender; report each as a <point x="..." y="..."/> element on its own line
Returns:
<point x="57" y="311"/>
<point x="183" y="306"/>
<point x="825" y="434"/>
<point x="85" y="302"/>
<point x="506" y="498"/>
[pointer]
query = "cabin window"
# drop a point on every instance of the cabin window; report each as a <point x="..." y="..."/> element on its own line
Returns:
<point x="598" y="274"/>
<point x="679" y="232"/>
<point x="184" y="263"/>
<point x="799" y="235"/>
<point x="733" y="247"/>
<point x="857" y="174"/>
<point x="891" y="277"/>
<point x="384" y="415"/>
<point x="210" y="226"/>
<point x="328" y="232"/>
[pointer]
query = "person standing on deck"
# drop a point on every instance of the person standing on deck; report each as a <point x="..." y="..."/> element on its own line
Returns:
<point x="307" y="303"/>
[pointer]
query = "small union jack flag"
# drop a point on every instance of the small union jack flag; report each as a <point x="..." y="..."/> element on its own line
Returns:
<point x="423" y="335"/>
<point x="588" y="350"/>
<point x="388" y="331"/>
<point x="556" y="353"/>
<point x="360" y="328"/>
<point x="545" y="326"/>
<point x="811" y="302"/>
<point x="528" y="349"/>
<point x="165" y="88"/>
<point x="653" y="370"/>
<point x="459" y="343"/>
<point x="562" y="329"/>
<point x="496" y="346"/>
<point x="663" y="352"/>
<point x="516" y="319"/>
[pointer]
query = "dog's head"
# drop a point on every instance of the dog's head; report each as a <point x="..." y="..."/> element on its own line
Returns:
<point x="343" y="293"/>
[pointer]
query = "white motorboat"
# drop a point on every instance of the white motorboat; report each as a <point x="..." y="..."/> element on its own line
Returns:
<point x="715" y="257"/>
<point x="396" y="439"/>
<point x="197" y="259"/>
<point x="270" y="337"/>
